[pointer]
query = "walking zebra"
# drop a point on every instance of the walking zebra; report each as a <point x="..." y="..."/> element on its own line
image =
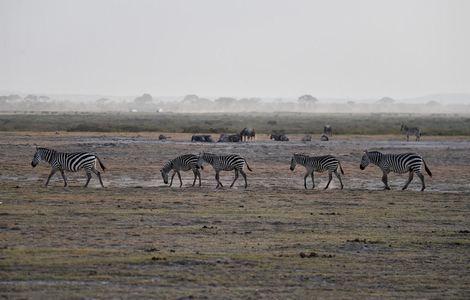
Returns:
<point x="410" y="131"/>
<point x="317" y="163"/>
<point x="225" y="163"/>
<point x="184" y="162"/>
<point x="397" y="163"/>
<point x="73" y="162"/>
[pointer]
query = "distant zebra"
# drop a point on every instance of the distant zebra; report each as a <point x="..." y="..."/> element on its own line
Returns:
<point x="397" y="163"/>
<point x="72" y="162"/>
<point x="317" y="163"/>
<point x="225" y="163"/>
<point x="327" y="130"/>
<point x="279" y="137"/>
<point x="247" y="134"/>
<point x="410" y="131"/>
<point x="184" y="162"/>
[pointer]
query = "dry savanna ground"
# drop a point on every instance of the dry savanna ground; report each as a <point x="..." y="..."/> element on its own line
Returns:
<point x="138" y="238"/>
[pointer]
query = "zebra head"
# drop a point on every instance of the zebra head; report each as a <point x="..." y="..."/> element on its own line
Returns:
<point x="201" y="159"/>
<point x="365" y="161"/>
<point x="165" y="171"/>
<point x="293" y="162"/>
<point x="39" y="156"/>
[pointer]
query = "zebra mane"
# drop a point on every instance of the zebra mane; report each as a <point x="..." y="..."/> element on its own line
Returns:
<point x="168" y="166"/>
<point x="374" y="156"/>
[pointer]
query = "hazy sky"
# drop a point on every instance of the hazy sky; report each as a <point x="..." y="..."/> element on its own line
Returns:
<point x="348" y="48"/>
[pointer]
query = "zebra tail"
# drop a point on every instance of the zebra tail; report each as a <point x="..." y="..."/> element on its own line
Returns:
<point x="427" y="169"/>
<point x="341" y="169"/>
<point x="101" y="164"/>
<point x="248" y="165"/>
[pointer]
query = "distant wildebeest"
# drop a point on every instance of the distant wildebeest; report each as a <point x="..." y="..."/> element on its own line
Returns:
<point x="247" y="134"/>
<point x="327" y="130"/>
<point x="324" y="138"/>
<point x="410" y="131"/>
<point x="163" y="137"/>
<point x="307" y="138"/>
<point x="73" y="162"/>
<point x="397" y="163"/>
<point x="317" y="163"/>
<point x="229" y="138"/>
<point x="279" y="137"/>
<point x="184" y="162"/>
<point x="202" y="138"/>
<point x="227" y="162"/>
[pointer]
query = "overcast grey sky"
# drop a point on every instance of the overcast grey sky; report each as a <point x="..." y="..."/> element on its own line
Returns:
<point x="347" y="48"/>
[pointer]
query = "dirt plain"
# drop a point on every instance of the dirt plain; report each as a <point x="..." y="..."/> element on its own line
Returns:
<point x="138" y="238"/>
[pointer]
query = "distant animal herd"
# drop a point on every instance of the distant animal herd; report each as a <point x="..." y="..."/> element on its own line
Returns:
<point x="410" y="163"/>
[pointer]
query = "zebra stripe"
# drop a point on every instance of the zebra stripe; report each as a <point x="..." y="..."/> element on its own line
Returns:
<point x="184" y="162"/>
<point x="72" y="162"/>
<point x="317" y="163"/>
<point x="225" y="163"/>
<point x="396" y="163"/>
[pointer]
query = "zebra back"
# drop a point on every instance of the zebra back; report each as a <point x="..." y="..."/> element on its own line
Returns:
<point x="223" y="162"/>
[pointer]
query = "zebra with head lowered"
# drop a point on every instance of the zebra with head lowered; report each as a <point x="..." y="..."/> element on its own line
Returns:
<point x="227" y="162"/>
<point x="317" y="163"/>
<point x="184" y="162"/>
<point x="73" y="162"/>
<point x="397" y="163"/>
<point x="410" y="131"/>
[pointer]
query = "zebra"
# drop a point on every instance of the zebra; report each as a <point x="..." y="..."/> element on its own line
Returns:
<point x="227" y="162"/>
<point x="247" y="134"/>
<point x="317" y="163"/>
<point x="183" y="162"/>
<point x="327" y="130"/>
<point x="410" y="131"/>
<point x="397" y="163"/>
<point x="73" y="162"/>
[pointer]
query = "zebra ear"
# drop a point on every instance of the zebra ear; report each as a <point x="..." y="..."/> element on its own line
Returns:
<point x="365" y="151"/>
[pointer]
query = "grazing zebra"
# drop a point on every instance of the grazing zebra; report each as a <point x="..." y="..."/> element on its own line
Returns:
<point x="327" y="130"/>
<point x="397" y="163"/>
<point x="225" y="163"/>
<point x="317" y="163"/>
<point x="184" y="162"/>
<point x="247" y="134"/>
<point x="72" y="162"/>
<point x="410" y="131"/>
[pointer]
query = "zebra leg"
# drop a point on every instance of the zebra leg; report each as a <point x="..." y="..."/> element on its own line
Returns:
<point x="409" y="180"/>
<point x="385" y="181"/>
<point x="199" y="175"/>
<point x="330" y="176"/>
<point x="217" y="178"/>
<point x="179" y="176"/>
<point x="305" y="180"/>
<point x="88" y="177"/>
<point x="244" y="177"/>
<point x="421" y="176"/>
<point x="313" y="181"/>
<point x="235" y="179"/>
<point x="94" y="170"/>
<point x="50" y="175"/>
<point x="339" y="177"/>
<point x="63" y="176"/>
<point x="195" y="176"/>
<point x="172" y="176"/>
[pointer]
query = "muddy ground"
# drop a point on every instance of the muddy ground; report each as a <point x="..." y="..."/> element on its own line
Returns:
<point x="138" y="238"/>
